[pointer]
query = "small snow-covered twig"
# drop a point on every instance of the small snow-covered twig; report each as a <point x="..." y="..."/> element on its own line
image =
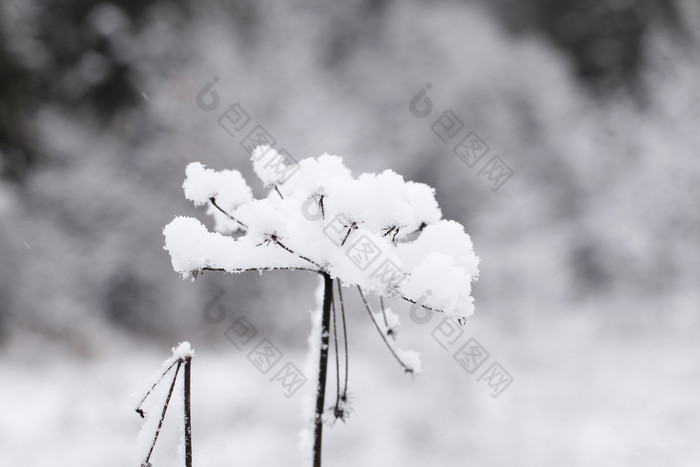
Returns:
<point x="139" y="409"/>
<point x="390" y="331"/>
<point x="351" y="227"/>
<point x="334" y="318"/>
<point x="460" y="320"/>
<point x="182" y="356"/>
<point x="276" y="240"/>
<point x="407" y="368"/>
<point x="212" y="200"/>
<point x="340" y="410"/>
<point x="260" y="269"/>
<point x="422" y="305"/>
<point x="345" y="337"/>
<point x="162" y="415"/>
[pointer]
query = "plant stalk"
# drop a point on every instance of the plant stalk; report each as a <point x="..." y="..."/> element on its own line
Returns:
<point x="188" y="418"/>
<point x="322" y="367"/>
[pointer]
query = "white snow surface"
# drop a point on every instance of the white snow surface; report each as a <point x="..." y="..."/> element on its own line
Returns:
<point x="377" y="231"/>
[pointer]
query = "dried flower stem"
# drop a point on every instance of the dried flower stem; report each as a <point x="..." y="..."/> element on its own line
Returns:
<point x="322" y="367"/>
<point x="406" y="368"/>
<point x="162" y="415"/>
<point x="188" y="417"/>
<point x="139" y="410"/>
<point x="345" y="339"/>
<point x="213" y="202"/>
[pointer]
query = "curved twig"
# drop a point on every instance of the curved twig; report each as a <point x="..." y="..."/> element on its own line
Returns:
<point x="278" y="242"/>
<point x="337" y="358"/>
<point x="162" y="415"/>
<point x="212" y="200"/>
<point x="420" y="304"/>
<point x="139" y="410"/>
<point x="389" y="331"/>
<point x="406" y="368"/>
<point x="345" y="339"/>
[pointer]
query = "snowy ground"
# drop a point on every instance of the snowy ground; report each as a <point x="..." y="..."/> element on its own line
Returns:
<point x="584" y="394"/>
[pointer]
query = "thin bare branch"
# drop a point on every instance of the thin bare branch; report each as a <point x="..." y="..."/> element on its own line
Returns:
<point x="352" y="227"/>
<point x="460" y="321"/>
<point x="278" y="242"/>
<point x="422" y="226"/>
<point x="337" y="358"/>
<point x="162" y="415"/>
<point x="420" y="304"/>
<point x="406" y="368"/>
<point x="389" y="331"/>
<point x="345" y="339"/>
<point x="187" y="414"/>
<point x="260" y="269"/>
<point x="139" y="410"/>
<point x="212" y="200"/>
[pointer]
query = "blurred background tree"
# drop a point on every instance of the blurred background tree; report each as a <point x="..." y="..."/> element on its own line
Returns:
<point x="97" y="124"/>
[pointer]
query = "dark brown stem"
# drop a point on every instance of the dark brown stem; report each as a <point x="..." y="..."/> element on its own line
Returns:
<point x="352" y="227"/>
<point x="139" y="410"/>
<point x="286" y="248"/>
<point x="420" y="304"/>
<point x="162" y="415"/>
<point x="389" y="331"/>
<point x="188" y="419"/>
<point x="406" y="368"/>
<point x="345" y="338"/>
<point x="213" y="202"/>
<point x="260" y="269"/>
<point x="322" y="367"/>
<point x="337" y="357"/>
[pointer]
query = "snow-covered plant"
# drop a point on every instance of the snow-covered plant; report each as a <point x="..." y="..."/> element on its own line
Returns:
<point x="377" y="233"/>
<point x="157" y="399"/>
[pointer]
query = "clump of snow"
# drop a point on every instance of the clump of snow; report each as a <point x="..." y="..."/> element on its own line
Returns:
<point x="272" y="167"/>
<point x="192" y="248"/>
<point x="318" y="175"/>
<point x="388" y="321"/>
<point x="446" y="237"/>
<point x="376" y="231"/>
<point x="385" y="200"/>
<point x="183" y="350"/>
<point x="411" y="359"/>
<point x="227" y="187"/>
<point x="449" y="284"/>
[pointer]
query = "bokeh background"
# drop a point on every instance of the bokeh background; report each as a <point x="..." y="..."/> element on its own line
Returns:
<point x="588" y="293"/>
